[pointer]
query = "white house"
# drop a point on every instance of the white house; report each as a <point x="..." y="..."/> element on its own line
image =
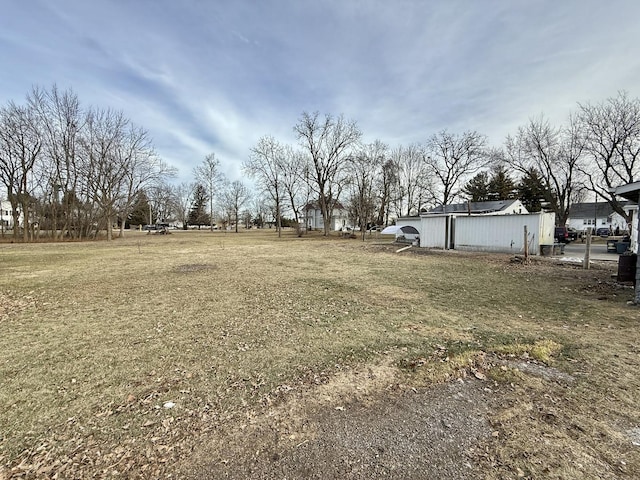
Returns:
<point x="6" y="218"/>
<point x="494" y="207"/>
<point x="314" y="221"/>
<point x="594" y="215"/>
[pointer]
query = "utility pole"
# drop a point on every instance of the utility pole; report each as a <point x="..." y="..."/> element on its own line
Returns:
<point x="587" y="252"/>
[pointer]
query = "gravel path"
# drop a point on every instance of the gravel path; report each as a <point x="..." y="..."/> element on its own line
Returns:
<point x="416" y="434"/>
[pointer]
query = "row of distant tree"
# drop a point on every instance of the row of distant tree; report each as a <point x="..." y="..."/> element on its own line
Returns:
<point x="595" y="150"/>
<point x="74" y="171"/>
<point x="70" y="171"/>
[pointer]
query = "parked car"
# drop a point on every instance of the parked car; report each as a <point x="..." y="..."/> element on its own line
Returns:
<point x="561" y="235"/>
<point x="603" y="232"/>
<point x="573" y="234"/>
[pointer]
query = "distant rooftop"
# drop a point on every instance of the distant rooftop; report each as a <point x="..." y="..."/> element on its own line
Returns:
<point x="591" y="210"/>
<point x="474" y="207"/>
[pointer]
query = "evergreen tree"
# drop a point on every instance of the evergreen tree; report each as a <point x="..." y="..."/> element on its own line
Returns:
<point x="532" y="191"/>
<point x="477" y="189"/>
<point x="198" y="213"/>
<point x="501" y="185"/>
<point x="140" y="210"/>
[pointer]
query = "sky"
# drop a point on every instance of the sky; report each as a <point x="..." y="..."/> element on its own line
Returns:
<point x="214" y="76"/>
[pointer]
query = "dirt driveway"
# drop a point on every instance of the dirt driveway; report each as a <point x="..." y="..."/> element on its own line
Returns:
<point x="429" y="433"/>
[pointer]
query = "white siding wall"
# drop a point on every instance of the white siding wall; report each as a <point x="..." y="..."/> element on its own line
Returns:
<point x="7" y="217"/>
<point x="433" y="231"/>
<point x="504" y="233"/>
<point x="338" y="220"/>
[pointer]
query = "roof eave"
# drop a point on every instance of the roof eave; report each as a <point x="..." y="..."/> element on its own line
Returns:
<point x="630" y="191"/>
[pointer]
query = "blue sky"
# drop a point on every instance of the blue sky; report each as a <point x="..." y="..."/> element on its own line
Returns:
<point x="214" y="76"/>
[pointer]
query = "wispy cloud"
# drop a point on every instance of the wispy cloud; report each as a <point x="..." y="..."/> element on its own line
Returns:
<point x="215" y="76"/>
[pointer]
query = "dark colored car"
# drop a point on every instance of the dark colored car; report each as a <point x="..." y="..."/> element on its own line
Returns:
<point x="603" y="232"/>
<point x="573" y="234"/>
<point x="561" y="235"/>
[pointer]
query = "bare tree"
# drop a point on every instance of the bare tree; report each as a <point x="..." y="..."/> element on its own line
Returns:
<point x="105" y="169"/>
<point x="144" y="170"/>
<point x="412" y="179"/>
<point x="72" y="172"/>
<point x="236" y="195"/>
<point x="385" y="186"/>
<point x="208" y="174"/>
<point x="451" y="159"/>
<point x="259" y="208"/>
<point x="327" y="141"/>
<point x="181" y="196"/>
<point x="364" y="167"/>
<point x="612" y="135"/>
<point x="161" y="202"/>
<point x="20" y="148"/>
<point x="293" y="175"/>
<point x="553" y="152"/>
<point x="266" y="164"/>
<point x="62" y="121"/>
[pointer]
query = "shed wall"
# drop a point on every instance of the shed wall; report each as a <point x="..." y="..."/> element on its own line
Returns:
<point x="503" y="233"/>
<point x="433" y="231"/>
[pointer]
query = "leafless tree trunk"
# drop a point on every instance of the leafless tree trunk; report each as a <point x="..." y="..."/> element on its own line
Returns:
<point x="236" y="195"/>
<point x="385" y="188"/>
<point x="105" y="167"/>
<point x="327" y="142"/>
<point x="293" y="168"/>
<point x="181" y="197"/>
<point x="20" y="148"/>
<point x="266" y="164"/>
<point x="208" y="174"/>
<point x="62" y="121"/>
<point x="412" y="178"/>
<point x="364" y="167"/>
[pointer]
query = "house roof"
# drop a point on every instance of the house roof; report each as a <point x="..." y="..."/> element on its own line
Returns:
<point x="316" y="206"/>
<point x="630" y="191"/>
<point x="474" y="207"/>
<point x="591" y="210"/>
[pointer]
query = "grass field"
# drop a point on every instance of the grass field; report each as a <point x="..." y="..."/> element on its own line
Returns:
<point x="126" y="357"/>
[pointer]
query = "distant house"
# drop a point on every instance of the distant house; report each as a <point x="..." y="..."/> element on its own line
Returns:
<point x="594" y="215"/>
<point x="6" y="218"/>
<point x="314" y="220"/>
<point x="494" y="207"/>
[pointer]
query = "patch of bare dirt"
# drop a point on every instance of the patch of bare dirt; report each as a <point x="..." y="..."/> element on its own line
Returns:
<point x="194" y="267"/>
<point x="402" y="433"/>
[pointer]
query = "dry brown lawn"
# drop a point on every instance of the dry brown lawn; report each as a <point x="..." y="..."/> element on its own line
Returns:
<point x="157" y="356"/>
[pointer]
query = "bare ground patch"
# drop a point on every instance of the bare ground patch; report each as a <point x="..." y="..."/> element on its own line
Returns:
<point x="360" y="425"/>
<point x="194" y="267"/>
